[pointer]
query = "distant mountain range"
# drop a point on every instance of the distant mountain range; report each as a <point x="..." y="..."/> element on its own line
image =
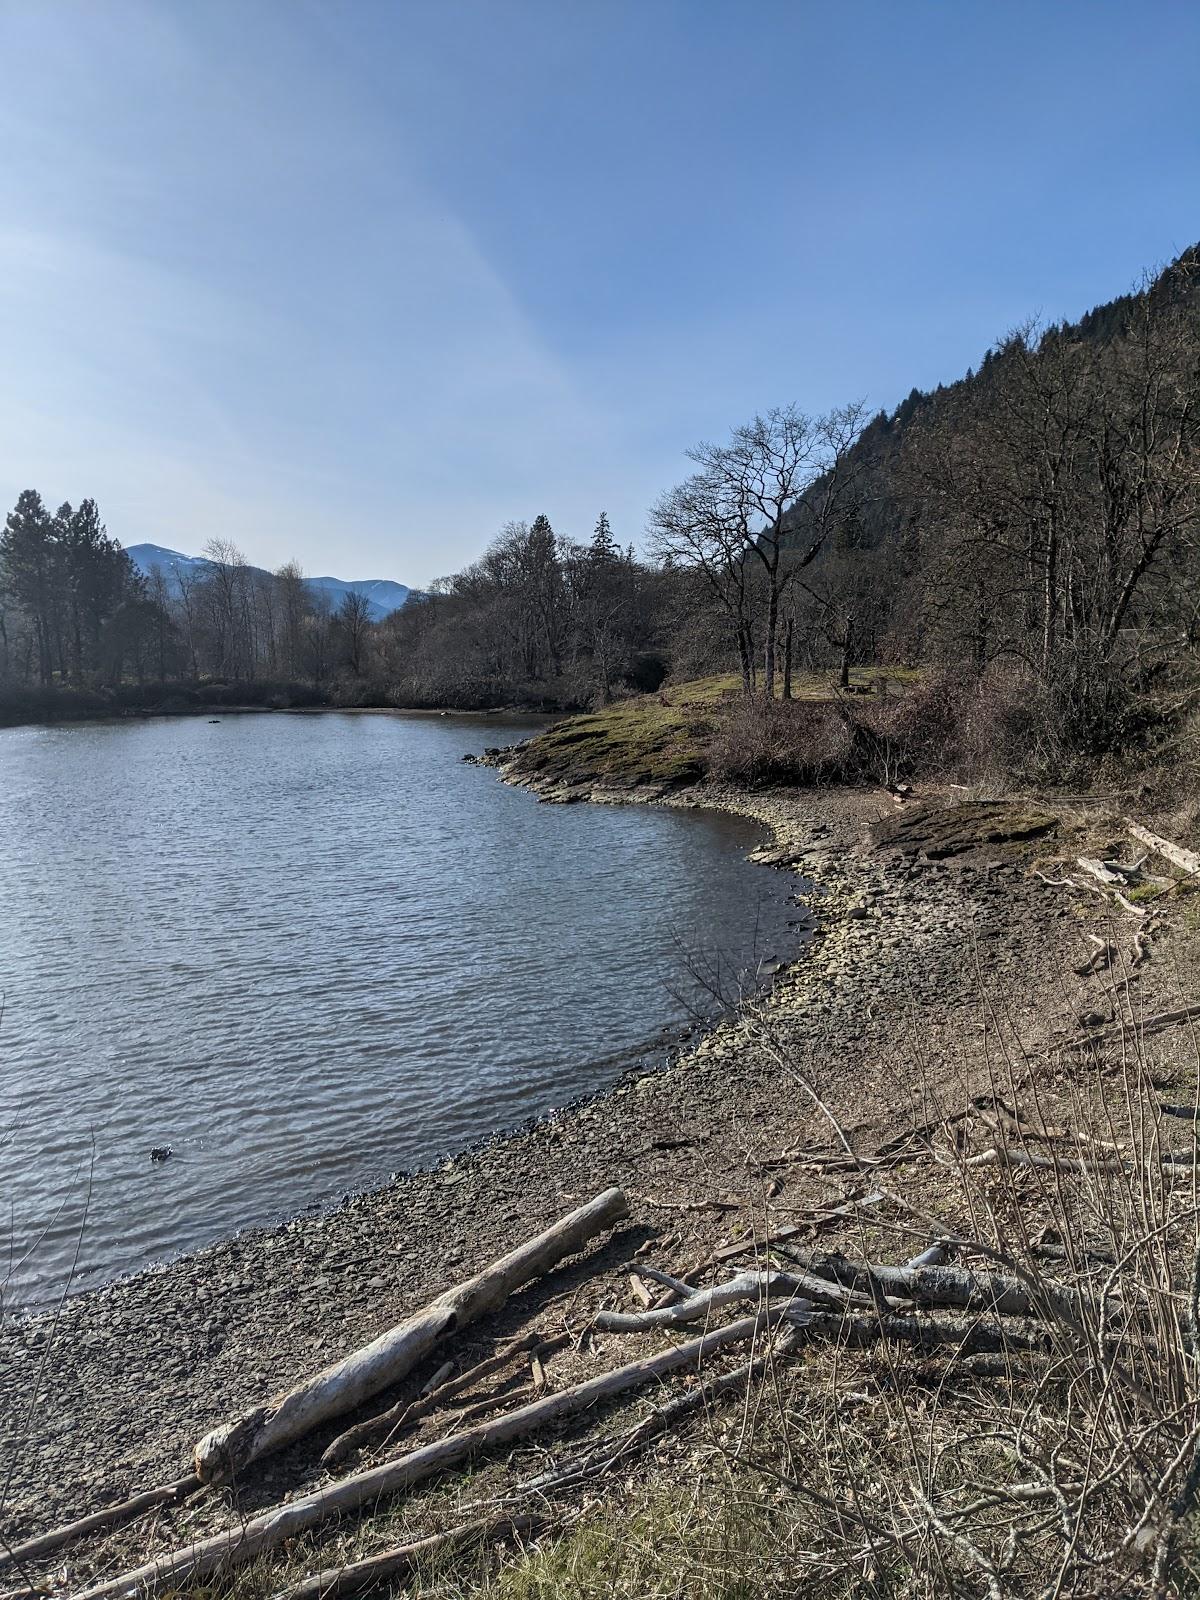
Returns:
<point x="381" y="594"/>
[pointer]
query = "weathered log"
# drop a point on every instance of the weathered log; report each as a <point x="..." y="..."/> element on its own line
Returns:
<point x="250" y="1539"/>
<point x="1169" y="1163"/>
<point x="1138" y="1026"/>
<point x="386" y="1423"/>
<point x="1186" y="860"/>
<point x="928" y="1287"/>
<point x="345" y="1385"/>
<point x="967" y="1334"/>
<point x="1100" y="870"/>
<point x="359" y="1576"/>
<point x="166" y="1494"/>
<point x="746" y="1286"/>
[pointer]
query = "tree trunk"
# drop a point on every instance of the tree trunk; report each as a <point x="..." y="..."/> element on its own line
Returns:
<point x="788" y="629"/>
<point x="249" y="1539"/>
<point x="747" y="660"/>
<point x="1186" y="860"/>
<point x="344" y="1386"/>
<point x="847" y="648"/>
<point x="769" y="648"/>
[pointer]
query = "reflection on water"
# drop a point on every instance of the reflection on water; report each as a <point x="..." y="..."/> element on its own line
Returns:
<point x="304" y="951"/>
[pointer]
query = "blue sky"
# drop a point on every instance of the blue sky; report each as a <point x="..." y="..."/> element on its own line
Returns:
<point x="357" y="281"/>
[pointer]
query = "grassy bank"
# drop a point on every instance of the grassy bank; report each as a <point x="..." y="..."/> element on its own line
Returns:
<point x="680" y="734"/>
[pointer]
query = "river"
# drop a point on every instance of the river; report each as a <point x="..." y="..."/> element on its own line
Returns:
<point x="301" y="952"/>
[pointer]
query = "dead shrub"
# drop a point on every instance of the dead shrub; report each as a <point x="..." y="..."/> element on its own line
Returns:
<point x="997" y="727"/>
<point x="775" y="741"/>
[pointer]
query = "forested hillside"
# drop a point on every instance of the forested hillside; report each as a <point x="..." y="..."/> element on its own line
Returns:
<point x="1031" y="528"/>
<point x="1041" y="511"/>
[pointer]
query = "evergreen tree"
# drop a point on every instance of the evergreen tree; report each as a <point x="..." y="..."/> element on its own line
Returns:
<point x="26" y="571"/>
<point x="604" y="547"/>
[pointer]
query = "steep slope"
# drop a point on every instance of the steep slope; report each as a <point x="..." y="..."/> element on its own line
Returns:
<point x="880" y="515"/>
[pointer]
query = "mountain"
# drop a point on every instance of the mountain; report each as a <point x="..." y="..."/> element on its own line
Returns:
<point x="382" y="595"/>
<point x="885" y="515"/>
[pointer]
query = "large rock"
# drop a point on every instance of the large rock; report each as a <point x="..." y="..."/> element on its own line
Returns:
<point x="941" y="831"/>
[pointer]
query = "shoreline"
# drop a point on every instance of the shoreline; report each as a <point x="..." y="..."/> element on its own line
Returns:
<point x="658" y="1052"/>
<point x="662" y="1052"/>
<point x="220" y="1327"/>
<point x="121" y="714"/>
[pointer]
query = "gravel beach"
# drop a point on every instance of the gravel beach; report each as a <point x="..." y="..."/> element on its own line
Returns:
<point x="108" y="1394"/>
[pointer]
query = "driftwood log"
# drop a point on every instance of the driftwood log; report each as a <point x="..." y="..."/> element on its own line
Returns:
<point x="384" y="1426"/>
<point x="701" y="1304"/>
<point x="345" y="1385"/>
<point x="981" y="1292"/>
<point x="359" y="1576"/>
<point x="337" y="1582"/>
<point x="1186" y="860"/>
<point x="167" y="1494"/>
<point x="249" y="1539"/>
<point x="968" y="1334"/>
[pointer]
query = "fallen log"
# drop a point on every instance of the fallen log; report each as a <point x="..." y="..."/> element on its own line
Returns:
<point x="359" y="1576"/>
<point x="1186" y="860"/>
<point x="994" y="1157"/>
<point x="746" y="1286"/>
<point x="167" y="1494"/>
<point x="345" y="1385"/>
<point x="385" y="1424"/>
<point x="1100" y="870"/>
<point x="928" y="1287"/>
<point x="1139" y="1026"/>
<point x="967" y="1334"/>
<point x="250" y="1539"/>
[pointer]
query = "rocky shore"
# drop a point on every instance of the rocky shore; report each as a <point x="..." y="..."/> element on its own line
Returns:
<point x="913" y="956"/>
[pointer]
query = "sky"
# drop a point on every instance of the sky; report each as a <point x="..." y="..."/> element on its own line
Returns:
<point x="359" y="281"/>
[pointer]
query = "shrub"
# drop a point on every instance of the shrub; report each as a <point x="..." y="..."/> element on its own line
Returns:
<point x="1001" y="726"/>
<point x="798" y="741"/>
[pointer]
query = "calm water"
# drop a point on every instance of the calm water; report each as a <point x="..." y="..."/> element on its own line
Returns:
<point x="305" y="951"/>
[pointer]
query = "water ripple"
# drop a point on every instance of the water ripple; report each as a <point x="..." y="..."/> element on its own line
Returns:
<point x="304" y="951"/>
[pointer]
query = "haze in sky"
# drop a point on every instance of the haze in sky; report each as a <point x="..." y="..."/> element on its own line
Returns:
<point x="357" y="281"/>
